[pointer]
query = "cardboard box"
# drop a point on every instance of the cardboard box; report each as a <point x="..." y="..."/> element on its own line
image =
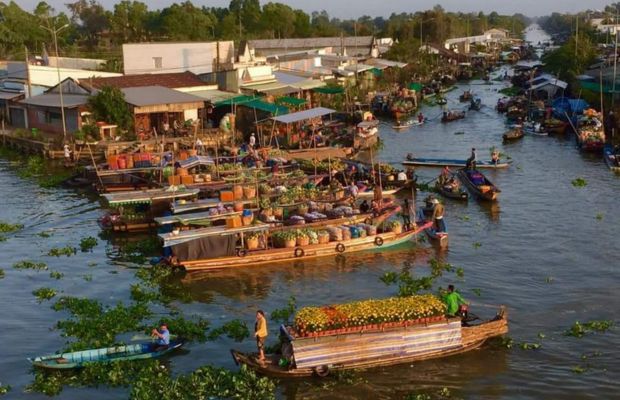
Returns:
<point x="233" y="222"/>
<point x="174" y="180"/>
<point x="187" y="179"/>
<point x="226" y="196"/>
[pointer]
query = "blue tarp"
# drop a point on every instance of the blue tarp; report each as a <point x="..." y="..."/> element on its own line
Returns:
<point x="572" y="107"/>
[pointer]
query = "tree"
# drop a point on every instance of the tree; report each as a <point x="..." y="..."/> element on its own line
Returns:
<point x="91" y="18"/>
<point x="129" y="21"/>
<point x="301" y="24"/>
<point x="186" y="22"/>
<point x="279" y="19"/>
<point x="109" y="105"/>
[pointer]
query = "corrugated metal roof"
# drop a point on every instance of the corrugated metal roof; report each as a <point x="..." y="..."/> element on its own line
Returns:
<point x="214" y="95"/>
<point x="53" y="100"/>
<point x="308" y="43"/>
<point x="303" y="115"/>
<point x="9" y="95"/>
<point x="152" y="95"/>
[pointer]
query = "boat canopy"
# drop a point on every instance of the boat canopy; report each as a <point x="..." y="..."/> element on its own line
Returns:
<point x="148" y="196"/>
<point x="195" y="161"/>
<point x="194" y="218"/>
<point x="303" y="115"/>
<point x="564" y="105"/>
<point x="368" y="124"/>
<point x="170" y="239"/>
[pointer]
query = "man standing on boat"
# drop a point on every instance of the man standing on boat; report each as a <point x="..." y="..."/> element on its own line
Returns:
<point x="453" y="301"/>
<point x="471" y="161"/>
<point x="438" y="210"/>
<point x="260" y="332"/>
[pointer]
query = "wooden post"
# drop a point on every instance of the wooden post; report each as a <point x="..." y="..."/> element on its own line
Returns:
<point x="94" y="165"/>
<point x="28" y="73"/>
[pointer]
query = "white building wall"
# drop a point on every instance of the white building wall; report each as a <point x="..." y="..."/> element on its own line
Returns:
<point x="159" y="58"/>
<point x="48" y="76"/>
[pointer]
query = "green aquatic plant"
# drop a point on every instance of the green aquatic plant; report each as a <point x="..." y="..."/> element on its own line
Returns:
<point x="529" y="346"/>
<point x="87" y="277"/>
<point x="477" y="245"/>
<point x="579" y="182"/>
<point x="578" y="369"/>
<point x="235" y="329"/>
<point x="87" y="244"/>
<point x="477" y="292"/>
<point x="464" y="218"/>
<point x="599" y="216"/>
<point x="6" y="227"/>
<point x="581" y="329"/>
<point x="4" y="389"/>
<point x="56" y="275"/>
<point x="44" y="234"/>
<point x="283" y="315"/>
<point x="94" y="325"/>
<point x="44" y="294"/>
<point x="67" y="251"/>
<point x="30" y="265"/>
<point x="1" y="273"/>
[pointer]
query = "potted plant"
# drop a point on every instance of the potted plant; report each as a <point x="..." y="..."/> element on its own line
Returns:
<point x="278" y="211"/>
<point x="249" y="191"/>
<point x="302" y="238"/>
<point x="238" y="206"/>
<point x="237" y="192"/>
<point x="323" y="236"/>
<point x="265" y="205"/>
<point x="396" y="227"/>
<point x="302" y="209"/>
<point x="264" y="188"/>
<point x="290" y="239"/>
<point x="252" y="240"/>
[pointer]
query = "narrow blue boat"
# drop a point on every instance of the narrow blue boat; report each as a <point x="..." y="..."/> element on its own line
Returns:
<point x="78" y="359"/>
<point x="442" y="162"/>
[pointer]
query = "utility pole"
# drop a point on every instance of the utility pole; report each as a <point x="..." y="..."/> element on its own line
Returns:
<point x="576" y="35"/>
<point x="613" y="90"/>
<point x="54" y="33"/>
<point x="28" y="73"/>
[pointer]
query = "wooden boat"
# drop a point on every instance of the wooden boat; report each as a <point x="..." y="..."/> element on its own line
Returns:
<point x="530" y="129"/>
<point x="135" y="210"/>
<point x="555" y="126"/>
<point x="441" y="101"/>
<point x="405" y="125"/>
<point x="452" y="116"/>
<point x="423" y="218"/>
<point x="513" y="135"/>
<point x="465" y="97"/>
<point x="484" y="190"/>
<point x="78" y="359"/>
<point x="459" y="194"/>
<point x="377" y="346"/>
<point x="443" y="162"/>
<point x="611" y="159"/>
<point x="259" y="257"/>
<point x="590" y="132"/>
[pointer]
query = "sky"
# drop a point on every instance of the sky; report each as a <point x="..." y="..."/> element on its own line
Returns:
<point x="348" y="9"/>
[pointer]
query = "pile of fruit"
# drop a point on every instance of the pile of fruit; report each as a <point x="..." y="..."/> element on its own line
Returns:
<point x="369" y="314"/>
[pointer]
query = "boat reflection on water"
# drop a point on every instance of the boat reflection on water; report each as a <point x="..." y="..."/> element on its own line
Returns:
<point x="490" y="209"/>
<point x="256" y="283"/>
<point x="397" y="382"/>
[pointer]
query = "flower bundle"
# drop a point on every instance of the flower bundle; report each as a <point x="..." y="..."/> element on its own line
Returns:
<point x="369" y="314"/>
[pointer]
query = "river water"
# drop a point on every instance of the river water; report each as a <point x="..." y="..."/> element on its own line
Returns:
<point x="547" y="249"/>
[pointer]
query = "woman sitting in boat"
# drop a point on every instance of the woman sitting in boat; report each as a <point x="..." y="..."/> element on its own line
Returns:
<point x="445" y="175"/>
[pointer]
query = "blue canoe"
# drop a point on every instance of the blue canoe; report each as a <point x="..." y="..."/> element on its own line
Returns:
<point x="78" y="359"/>
<point x="612" y="160"/>
<point x="442" y="162"/>
<point x="440" y="238"/>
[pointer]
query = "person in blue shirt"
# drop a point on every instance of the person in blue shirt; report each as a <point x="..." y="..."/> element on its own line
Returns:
<point x="163" y="337"/>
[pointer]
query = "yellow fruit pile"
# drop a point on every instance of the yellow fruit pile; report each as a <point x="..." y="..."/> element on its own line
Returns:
<point x="368" y="312"/>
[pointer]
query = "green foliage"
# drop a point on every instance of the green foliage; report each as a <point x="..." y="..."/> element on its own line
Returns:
<point x="44" y="294"/>
<point x="443" y="393"/>
<point x="529" y="346"/>
<point x="29" y="265"/>
<point x="95" y="325"/>
<point x="87" y="244"/>
<point x="1" y="273"/>
<point x="62" y="251"/>
<point x="6" y="227"/>
<point x="56" y="275"/>
<point x="44" y="234"/>
<point x="139" y="252"/>
<point x="581" y="329"/>
<point x="579" y="182"/>
<point x="109" y="105"/>
<point x="409" y="285"/>
<point x="4" y="389"/>
<point x="235" y="329"/>
<point x="599" y="216"/>
<point x="283" y="315"/>
<point x="571" y="59"/>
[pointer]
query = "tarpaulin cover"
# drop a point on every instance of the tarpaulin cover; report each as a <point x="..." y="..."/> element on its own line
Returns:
<point x="207" y="247"/>
<point x="415" y="86"/>
<point x="304" y="115"/>
<point x="329" y="90"/>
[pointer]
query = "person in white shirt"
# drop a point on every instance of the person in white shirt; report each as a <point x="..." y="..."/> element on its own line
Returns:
<point x="252" y="140"/>
<point x="199" y="146"/>
<point x="402" y="176"/>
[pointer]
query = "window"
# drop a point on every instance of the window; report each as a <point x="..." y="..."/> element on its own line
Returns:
<point x="53" y="118"/>
<point x="157" y="62"/>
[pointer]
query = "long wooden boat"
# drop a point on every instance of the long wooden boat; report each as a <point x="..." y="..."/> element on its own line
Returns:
<point x="444" y="162"/>
<point x="148" y="196"/>
<point x="611" y="159"/>
<point x="485" y="190"/>
<point x="378" y="346"/>
<point x="271" y="255"/>
<point x="590" y="133"/>
<point x="459" y="194"/>
<point x="78" y="359"/>
<point x="441" y="238"/>
<point x="555" y="126"/>
<point x="513" y="135"/>
<point x="453" y="116"/>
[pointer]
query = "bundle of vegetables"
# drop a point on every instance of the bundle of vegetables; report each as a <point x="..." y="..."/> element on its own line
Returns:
<point x="369" y="314"/>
